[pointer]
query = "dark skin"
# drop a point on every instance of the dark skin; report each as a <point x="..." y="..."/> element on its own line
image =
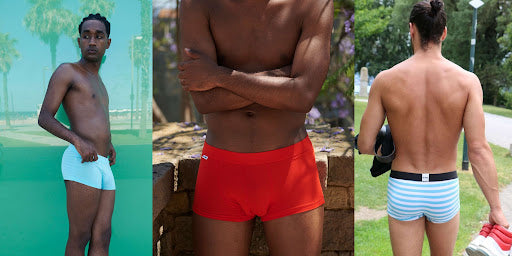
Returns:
<point x="80" y="89"/>
<point x="254" y="68"/>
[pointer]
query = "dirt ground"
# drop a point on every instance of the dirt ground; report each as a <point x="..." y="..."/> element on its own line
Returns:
<point x="174" y="141"/>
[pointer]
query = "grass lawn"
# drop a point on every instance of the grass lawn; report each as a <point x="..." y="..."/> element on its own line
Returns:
<point x="498" y="111"/>
<point x="372" y="237"/>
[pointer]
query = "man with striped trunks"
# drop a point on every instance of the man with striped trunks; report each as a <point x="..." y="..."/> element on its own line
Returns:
<point x="428" y="100"/>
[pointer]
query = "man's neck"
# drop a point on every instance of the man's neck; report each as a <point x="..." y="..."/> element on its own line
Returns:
<point x="92" y="67"/>
<point x="431" y="51"/>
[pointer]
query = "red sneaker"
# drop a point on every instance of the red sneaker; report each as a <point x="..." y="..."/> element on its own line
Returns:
<point x="497" y="243"/>
<point x="472" y="248"/>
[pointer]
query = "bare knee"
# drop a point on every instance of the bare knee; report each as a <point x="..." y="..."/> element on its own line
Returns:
<point x="101" y="237"/>
<point x="79" y="238"/>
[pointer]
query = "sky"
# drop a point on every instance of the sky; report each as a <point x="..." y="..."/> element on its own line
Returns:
<point x="30" y="73"/>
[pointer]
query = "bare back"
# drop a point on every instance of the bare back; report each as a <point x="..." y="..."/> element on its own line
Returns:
<point x="424" y="100"/>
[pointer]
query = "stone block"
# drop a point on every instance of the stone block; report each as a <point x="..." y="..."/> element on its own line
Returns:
<point x="178" y="203"/>
<point x="321" y="165"/>
<point x="163" y="184"/>
<point x="351" y="197"/>
<point x="341" y="170"/>
<point x="258" y="243"/>
<point x="347" y="253"/>
<point x="329" y="254"/>
<point x="166" y="245"/>
<point x="182" y="234"/>
<point x="336" y="198"/>
<point x="338" y="233"/>
<point x="187" y="173"/>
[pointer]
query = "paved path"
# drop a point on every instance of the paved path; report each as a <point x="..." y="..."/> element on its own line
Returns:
<point x="498" y="130"/>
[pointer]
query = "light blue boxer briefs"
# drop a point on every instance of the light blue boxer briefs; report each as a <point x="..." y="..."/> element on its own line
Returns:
<point x="95" y="174"/>
<point x="410" y="200"/>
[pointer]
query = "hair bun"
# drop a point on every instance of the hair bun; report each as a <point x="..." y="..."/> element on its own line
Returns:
<point x="436" y="6"/>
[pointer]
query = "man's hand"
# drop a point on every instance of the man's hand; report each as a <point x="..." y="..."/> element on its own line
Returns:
<point x="86" y="150"/>
<point x="112" y="154"/>
<point x="197" y="74"/>
<point x="497" y="217"/>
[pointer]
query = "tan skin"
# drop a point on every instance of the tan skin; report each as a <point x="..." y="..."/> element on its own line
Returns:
<point x="428" y="100"/>
<point x="80" y="89"/>
<point x="254" y="68"/>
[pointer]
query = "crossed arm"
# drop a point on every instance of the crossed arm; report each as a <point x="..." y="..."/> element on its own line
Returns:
<point x="216" y="88"/>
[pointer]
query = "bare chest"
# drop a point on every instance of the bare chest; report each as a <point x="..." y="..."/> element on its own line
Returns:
<point x="90" y="90"/>
<point x="255" y="36"/>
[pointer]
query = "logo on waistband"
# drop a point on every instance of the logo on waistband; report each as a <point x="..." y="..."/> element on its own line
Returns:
<point x="425" y="177"/>
<point x="205" y="157"/>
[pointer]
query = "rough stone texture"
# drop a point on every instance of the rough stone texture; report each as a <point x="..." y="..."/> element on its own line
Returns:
<point x="351" y="195"/>
<point x="341" y="171"/>
<point x="329" y="254"/>
<point x="182" y="234"/>
<point x="321" y="165"/>
<point x="258" y="242"/>
<point x="347" y="253"/>
<point x="187" y="173"/>
<point x="338" y="232"/>
<point x="166" y="245"/>
<point x="336" y="198"/>
<point x="163" y="178"/>
<point x="178" y="203"/>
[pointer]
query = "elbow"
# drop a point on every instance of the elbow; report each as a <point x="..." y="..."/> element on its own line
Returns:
<point x="365" y="146"/>
<point x="303" y="102"/>
<point x="41" y="120"/>
<point x="479" y="152"/>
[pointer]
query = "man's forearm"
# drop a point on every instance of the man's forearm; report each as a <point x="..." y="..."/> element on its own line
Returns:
<point x="485" y="174"/>
<point x="49" y="123"/>
<point x="283" y="93"/>
<point x="220" y="99"/>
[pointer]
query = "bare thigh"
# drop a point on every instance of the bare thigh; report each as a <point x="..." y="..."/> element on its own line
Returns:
<point x="217" y="237"/>
<point x="297" y="234"/>
<point x="442" y="236"/>
<point x="101" y="229"/>
<point x="82" y="204"/>
<point x="406" y="236"/>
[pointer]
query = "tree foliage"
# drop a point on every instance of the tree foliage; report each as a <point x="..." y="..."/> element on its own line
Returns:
<point x="380" y="48"/>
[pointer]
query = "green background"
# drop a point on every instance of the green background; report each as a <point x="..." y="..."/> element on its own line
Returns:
<point x="35" y="37"/>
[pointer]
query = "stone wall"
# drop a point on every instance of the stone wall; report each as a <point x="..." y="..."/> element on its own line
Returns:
<point x="173" y="194"/>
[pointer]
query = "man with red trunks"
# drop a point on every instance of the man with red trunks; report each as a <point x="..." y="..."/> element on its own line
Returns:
<point x="254" y="68"/>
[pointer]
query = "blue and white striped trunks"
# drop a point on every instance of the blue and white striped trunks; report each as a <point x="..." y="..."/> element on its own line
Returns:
<point x="410" y="200"/>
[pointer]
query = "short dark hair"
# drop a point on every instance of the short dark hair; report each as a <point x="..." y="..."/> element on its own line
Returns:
<point x="96" y="16"/>
<point x="430" y="19"/>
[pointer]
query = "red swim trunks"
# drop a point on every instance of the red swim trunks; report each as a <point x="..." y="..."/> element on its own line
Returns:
<point x="235" y="186"/>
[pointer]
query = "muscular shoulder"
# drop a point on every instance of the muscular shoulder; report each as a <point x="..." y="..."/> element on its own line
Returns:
<point x="315" y="8"/>
<point x="65" y="73"/>
<point x="196" y="5"/>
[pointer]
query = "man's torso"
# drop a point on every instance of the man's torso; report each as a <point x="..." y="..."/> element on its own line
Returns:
<point x="254" y="36"/>
<point x="424" y="102"/>
<point x="86" y="104"/>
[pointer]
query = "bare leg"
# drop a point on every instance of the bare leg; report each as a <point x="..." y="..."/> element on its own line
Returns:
<point x="442" y="237"/>
<point x="297" y="234"/>
<point x="101" y="228"/>
<point x="82" y="204"/>
<point x="217" y="237"/>
<point x="406" y="236"/>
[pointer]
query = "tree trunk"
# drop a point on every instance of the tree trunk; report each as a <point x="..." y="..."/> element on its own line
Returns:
<point x="158" y="116"/>
<point x="6" y="102"/>
<point x="53" y="51"/>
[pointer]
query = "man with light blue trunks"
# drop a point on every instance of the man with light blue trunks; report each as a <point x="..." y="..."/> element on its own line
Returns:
<point x="86" y="162"/>
<point x="428" y="100"/>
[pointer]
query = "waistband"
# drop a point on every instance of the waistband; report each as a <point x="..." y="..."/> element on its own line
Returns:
<point x="275" y="155"/>
<point x="425" y="177"/>
<point x="101" y="159"/>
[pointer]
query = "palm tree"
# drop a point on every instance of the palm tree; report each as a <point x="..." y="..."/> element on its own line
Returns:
<point x="145" y="18"/>
<point x="7" y="54"/>
<point x="49" y="20"/>
<point x="104" y="7"/>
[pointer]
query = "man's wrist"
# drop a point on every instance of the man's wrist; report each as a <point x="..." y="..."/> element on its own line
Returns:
<point x="222" y="74"/>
